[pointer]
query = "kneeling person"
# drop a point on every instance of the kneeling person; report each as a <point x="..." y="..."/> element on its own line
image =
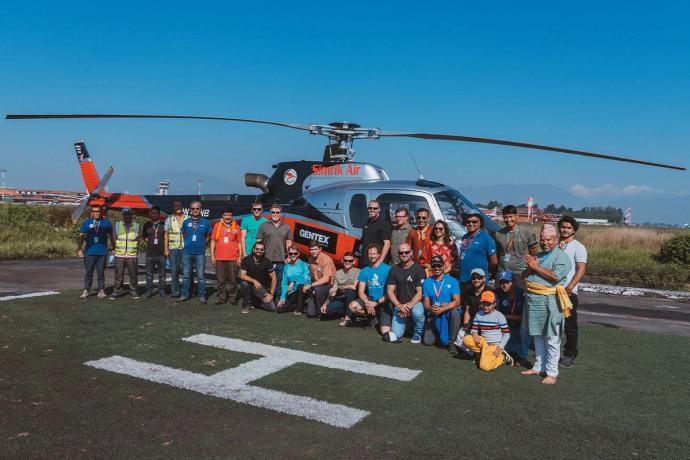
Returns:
<point x="258" y="280"/>
<point x="490" y="334"/>
<point x="441" y="295"/>
<point x="405" y="293"/>
<point x="322" y="270"/>
<point x="295" y="277"/>
<point x="344" y="289"/>
<point x="371" y="292"/>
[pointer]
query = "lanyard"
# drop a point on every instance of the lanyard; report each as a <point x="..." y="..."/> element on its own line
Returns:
<point x="195" y="225"/>
<point x="155" y="230"/>
<point x="438" y="292"/>
<point x="467" y="242"/>
<point x="96" y="226"/>
<point x="421" y="234"/>
<point x="511" y="238"/>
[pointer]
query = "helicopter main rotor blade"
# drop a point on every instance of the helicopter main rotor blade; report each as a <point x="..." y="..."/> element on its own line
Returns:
<point x="79" y="210"/>
<point x="486" y="140"/>
<point x="174" y="117"/>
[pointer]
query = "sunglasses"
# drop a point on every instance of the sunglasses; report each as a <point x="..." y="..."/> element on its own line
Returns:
<point x="259" y="250"/>
<point x="422" y="218"/>
<point x="371" y="208"/>
<point x="439" y="228"/>
<point x="195" y="209"/>
<point x="477" y="277"/>
<point x="293" y="253"/>
<point x="257" y="209"/>
<point x="404" y="253"/>
<point x="275" y="212"/>
<point x="348" y="261"/>
<point x="400" y="217"/>
<point x="471" y="222"/>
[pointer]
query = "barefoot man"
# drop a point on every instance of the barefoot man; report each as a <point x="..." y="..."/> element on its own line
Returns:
<point x="546" y="303"/>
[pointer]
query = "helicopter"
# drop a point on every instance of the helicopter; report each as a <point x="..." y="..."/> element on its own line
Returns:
<point x="322" y="200"/>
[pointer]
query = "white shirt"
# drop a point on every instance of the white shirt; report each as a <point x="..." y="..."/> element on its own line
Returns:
<point x="578" y="254"/>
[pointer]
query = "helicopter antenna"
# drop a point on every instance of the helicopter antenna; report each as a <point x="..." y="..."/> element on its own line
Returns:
<point x="421" y="176"/>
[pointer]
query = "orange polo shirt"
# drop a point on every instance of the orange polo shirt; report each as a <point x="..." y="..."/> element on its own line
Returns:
<point x="322" y="266"/>
<point x="227" y="239"/>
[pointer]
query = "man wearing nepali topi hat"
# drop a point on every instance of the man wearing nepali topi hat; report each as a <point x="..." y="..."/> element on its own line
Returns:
<point x="546" y="303"/>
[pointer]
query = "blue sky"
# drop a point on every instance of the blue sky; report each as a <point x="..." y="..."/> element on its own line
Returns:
<point x="610" y="78"/>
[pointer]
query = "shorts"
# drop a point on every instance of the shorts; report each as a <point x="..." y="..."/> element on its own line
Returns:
<point x="384" y="311"/>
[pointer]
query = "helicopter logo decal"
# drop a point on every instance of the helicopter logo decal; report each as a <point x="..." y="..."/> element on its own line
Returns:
<point x="290" y="176"/>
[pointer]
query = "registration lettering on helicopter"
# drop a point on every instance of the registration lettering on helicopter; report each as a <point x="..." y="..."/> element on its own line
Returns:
<point x="336" y="170"/>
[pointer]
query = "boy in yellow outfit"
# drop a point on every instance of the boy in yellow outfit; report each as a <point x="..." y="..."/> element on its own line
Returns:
<point x="490" y="334"/>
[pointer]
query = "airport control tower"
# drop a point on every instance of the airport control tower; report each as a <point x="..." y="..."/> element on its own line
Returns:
<point x="163" y="186"/>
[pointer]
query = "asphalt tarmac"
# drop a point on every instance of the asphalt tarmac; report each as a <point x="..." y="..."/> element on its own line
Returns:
<point x="651" y="314"/>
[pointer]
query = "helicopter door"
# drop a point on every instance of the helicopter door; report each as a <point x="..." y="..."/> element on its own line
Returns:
<point x="411" y="201"/>
<point x="357" y="214"/>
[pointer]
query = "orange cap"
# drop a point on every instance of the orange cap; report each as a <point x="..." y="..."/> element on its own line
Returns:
<point x="488" y="296"/>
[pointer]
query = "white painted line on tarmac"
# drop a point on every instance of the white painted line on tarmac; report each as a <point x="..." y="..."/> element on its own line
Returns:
<point x="234" y="384"/>
<point x="633" y="317"/>
<point x="28" y="296"/>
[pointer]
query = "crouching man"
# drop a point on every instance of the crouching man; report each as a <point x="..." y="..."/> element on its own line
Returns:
<point x="490" y="334"/>
<point x="257" y="280"/>
<point x="405" y="293"/>
<point x="441" y="293"/>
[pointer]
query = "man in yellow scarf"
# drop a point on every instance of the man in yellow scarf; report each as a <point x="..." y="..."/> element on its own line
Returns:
<point x="546" y="303"/>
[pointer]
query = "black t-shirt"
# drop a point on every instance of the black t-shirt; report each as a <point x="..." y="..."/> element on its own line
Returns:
<point x="153" y="233"/>
<point x="406" y="281"/>
<point x="374" y="233"/>
<point x="470" y="301"/>
<point x="259" y="271"/>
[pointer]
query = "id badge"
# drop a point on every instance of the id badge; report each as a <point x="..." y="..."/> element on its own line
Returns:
<point x="226" y="240"/>
<point x="193" y="237"/>
<point x="95" y="239"/>
<point x="462" y="255"/>
<point x="155" y="241"/>
<point x="506" y="257"/>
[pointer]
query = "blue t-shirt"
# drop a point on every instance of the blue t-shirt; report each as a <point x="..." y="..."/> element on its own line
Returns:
<point x="96" y="236"/>
<point x="194" y="232"/>
<point x="510" y="307"/>
<point x="375" y="279"/>
<point x="475" y="252"/>
<point x="446" y="289"/>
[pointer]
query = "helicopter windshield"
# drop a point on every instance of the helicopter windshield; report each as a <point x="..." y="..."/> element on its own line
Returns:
<point x="453" y="205"/>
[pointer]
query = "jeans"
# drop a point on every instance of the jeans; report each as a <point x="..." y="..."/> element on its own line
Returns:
<point x="198" y="263"/>
<point x="571" y="338"/>
<point x="129" y="263"/>
<point x="547" y="351"/>
<point x="338" y="305"/>
<point x="399" y="324"/>
<point x="175" y="259"/>
<point x="91" y="263"/>
<point x="432" y="335"/>
<point x="153" y="264"/>
<point x="252" y="295"/>
<point x="278" y="268"/>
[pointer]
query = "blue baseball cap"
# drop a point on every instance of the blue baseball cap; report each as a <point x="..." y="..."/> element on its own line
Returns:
<point x="126" y="210"/>
<point x="505" y="276"/>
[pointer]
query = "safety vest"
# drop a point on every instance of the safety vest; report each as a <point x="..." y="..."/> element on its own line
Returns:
<point x="175" y="240"/>
<point x="126" y="242"/>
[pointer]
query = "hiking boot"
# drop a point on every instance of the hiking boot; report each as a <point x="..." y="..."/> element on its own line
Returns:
<point x="84" y="294"/>
<point x="416" y="338"/>
<point x="567" y="362"/>
<point x="102" y="294"/>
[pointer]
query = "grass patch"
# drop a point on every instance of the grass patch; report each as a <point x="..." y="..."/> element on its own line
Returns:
<point x="609" y="405"/>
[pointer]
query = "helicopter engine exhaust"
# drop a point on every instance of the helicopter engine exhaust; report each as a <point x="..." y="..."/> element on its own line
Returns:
<point x="256" y="180"/>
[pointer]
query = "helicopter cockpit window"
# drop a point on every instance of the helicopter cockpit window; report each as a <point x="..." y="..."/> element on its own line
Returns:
<point x="453" y="205"/>
<point x="358" y="210"/>
<point x="391" y="201"/>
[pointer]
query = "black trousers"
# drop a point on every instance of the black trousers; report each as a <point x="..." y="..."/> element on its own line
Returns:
<point x="570" y="348"/>
<point x="319" y="296"/>
<point x="294" y="301"/>
<point x="155" y="264"/>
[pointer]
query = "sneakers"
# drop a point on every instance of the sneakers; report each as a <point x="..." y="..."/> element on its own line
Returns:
<point x="245" y="309"/>
<point x="135" y="296"/>
<point x="148" y="295"/>
<point x="114" y="295"/>
<point x="416" y="338"/>
<point x="567" y="362"/>
<point x="202" y="300"/>
<point x="390" y="338"/>
<point x="102" y="294"/>
<point x="507" y="359"/>
<point x="182" y="299"/>
<point x="84" y="294"/>
<point x="453" y="349"/>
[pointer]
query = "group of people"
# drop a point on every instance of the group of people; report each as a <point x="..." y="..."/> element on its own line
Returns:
<point x="412" y="280"/>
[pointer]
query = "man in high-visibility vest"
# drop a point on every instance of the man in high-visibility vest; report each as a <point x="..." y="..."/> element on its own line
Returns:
<point x="126" y="253"/>
<point x="174" y="243"/>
